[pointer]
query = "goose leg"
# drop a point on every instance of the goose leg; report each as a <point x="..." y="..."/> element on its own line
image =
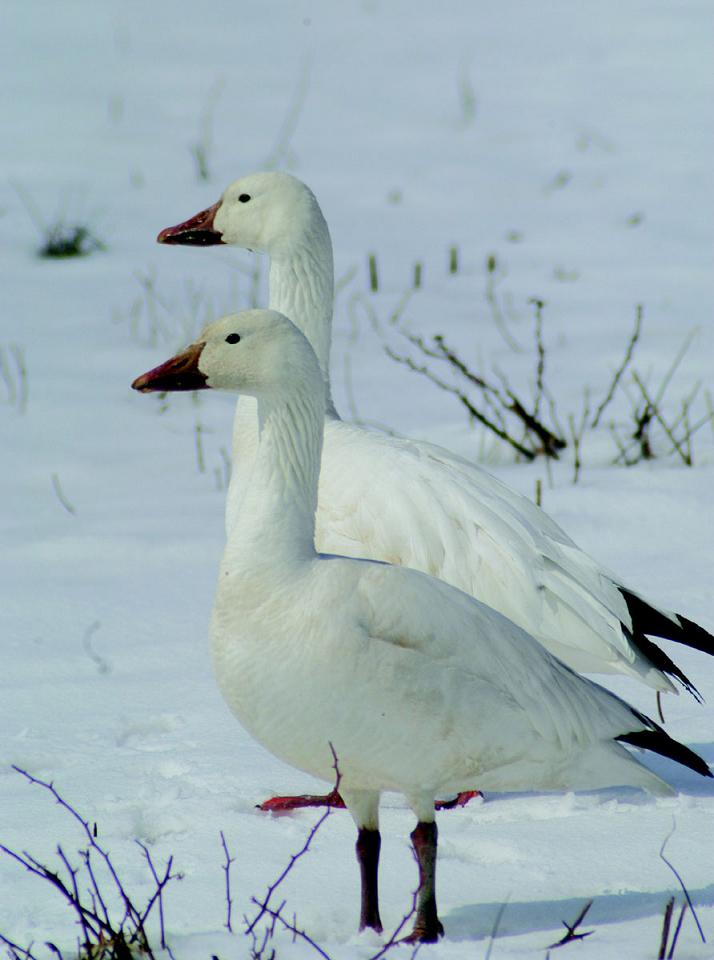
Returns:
<point x="333" y="799"/>
<point x="460" y="800"/>
<point x="367" y="848"/>
<point x="279" y="804"/>
<point x="427" y="927"/>
<point x="363" y="806"/>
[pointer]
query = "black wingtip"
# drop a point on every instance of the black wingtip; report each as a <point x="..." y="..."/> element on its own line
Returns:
<point x="659" y="659"/>
<point x="649" y="620"/>
<point x="696" y="636"/>
<point x="659" y="742"/>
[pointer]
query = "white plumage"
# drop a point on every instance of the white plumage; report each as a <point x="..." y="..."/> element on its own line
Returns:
<point x="418" y="505"/>
<point x="418" y="687"/>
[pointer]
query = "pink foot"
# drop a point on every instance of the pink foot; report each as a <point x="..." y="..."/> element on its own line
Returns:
<point x="459" y="801"/>
<point x="281" y="804"/>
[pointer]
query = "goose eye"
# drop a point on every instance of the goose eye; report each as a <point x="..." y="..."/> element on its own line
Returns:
<point x="244" y="197"/>
<point x="233" y="338"/>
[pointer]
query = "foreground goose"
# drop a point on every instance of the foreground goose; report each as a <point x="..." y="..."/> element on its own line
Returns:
<point x="417" y="687"/>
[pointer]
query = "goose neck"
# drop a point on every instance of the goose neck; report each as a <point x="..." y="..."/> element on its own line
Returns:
<point x="302" y="288"/>
<point x="276" y="517"/>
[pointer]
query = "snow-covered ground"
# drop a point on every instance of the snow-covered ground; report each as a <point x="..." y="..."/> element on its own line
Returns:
<point x="573" y="142"/>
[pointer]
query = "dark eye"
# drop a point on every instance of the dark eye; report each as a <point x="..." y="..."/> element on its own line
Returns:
<point x="233" y="338"/>
<point x="244" y="197"/>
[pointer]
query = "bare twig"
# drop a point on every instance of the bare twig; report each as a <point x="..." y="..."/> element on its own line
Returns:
<point x="494" y="929"/>
<point x="492" y="278"/>
<point x="395" y="936"/>
<point x="463" y="399"/>
<point x="679" y="879"/>
<point x="652" y="410"/>
<point x="201" y="149"/>
<point x="666" y="920"/>
<point x="103" y="938"/>
<point x="264" y="904"/>
<point x="576" y="433"/>
<point x="675" y="936"/>
<point x="60" y="494"/>
<point x="621" y="369"/>
<point x="290" y="925"/>
<point x="198" y="437"/>
<point x="15" y="951"/>
<point x="572" y="929"/>
<point x="280" y="153"/>
<point x="540" y="349"/>
<point x="100" y="662"/>
<point x="227" y="871"/>
<point x="373" y="276"/>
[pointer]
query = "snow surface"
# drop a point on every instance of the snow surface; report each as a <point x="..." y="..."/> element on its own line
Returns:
<point x="584" y="166"/>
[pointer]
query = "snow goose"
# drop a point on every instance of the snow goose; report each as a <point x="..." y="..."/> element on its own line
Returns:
<point x="388" y="498"/>
<point x="416" y="504"/>
<point x="418" y="687"/>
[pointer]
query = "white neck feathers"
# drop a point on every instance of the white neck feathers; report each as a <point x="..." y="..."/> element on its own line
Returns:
<point x="276" y="517"/>
<point x="302" y="287"/>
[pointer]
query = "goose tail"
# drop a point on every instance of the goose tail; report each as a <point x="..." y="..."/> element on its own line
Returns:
<point x="649" y="621"/>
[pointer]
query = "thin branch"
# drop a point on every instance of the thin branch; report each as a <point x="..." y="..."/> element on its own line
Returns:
<point x="227" y="870"/>
<point x="394" y="937"/>
<point x="621" y="369"/>
<point x="679" y="879"/>
<point x="494" y="929"/>
<point x="264" y="903"/>
<point x="60" y="495"/>
<point x="653" y="409"/>
<point x="675" y="363"/>
<point x="540" y="350"/>
<point x="666" y="921"/>
<point x="16" y="952"/>
<point x="571" y="929"/>
<point x="158" y="895"/>
<point x="281" y="147"/>
<point x="291" y="926"/>
<point x="675" y="937"/>
<point x="492" y="300"/>
<point x="476" y="414"/>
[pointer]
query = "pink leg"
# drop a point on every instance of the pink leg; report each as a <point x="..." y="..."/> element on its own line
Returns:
<point x="279" y="804"/>
<point x="333" y="799"/>
<point x="459" y="801"/>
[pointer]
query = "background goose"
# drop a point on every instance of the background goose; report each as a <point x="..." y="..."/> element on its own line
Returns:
<point x="416" y="504"/>
<point x="417" y="686"/>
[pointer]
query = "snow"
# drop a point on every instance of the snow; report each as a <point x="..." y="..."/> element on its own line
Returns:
<point x="590" y="140"/>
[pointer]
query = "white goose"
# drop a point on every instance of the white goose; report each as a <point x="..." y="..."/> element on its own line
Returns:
<point x="416" y="504"/>
<point x="418" y="687"/>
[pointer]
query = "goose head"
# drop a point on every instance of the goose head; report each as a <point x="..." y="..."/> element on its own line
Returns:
<point x="266" y="212"/>
<point x="256" y="352"/>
